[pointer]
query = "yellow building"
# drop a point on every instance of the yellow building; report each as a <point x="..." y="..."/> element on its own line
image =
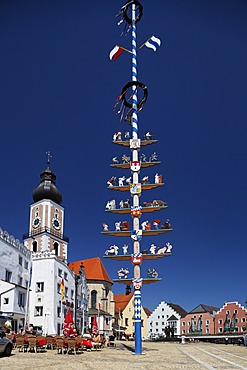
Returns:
<point x="124" y="315"/>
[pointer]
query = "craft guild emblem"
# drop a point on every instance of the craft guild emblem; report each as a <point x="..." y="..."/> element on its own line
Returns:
<point x="136" y="211"/>
<point x="135" y="143"/>
<point x="135" y="166"/>
<point x="137" y="283"/>
<point x="135" y="188"/>
<point x="136" y="258"/>
<point x="136" y="235"/>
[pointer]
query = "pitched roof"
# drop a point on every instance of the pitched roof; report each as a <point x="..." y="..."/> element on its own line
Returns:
<point x="93" y="267"/>
<point x="204" y="308"/>
<point x="121" y="301"/>
<point x="147" y="311"/>
<point x="178" y="309"/>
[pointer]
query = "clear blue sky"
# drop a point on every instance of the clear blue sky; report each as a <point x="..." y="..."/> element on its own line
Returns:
<point x="57" y="92"/>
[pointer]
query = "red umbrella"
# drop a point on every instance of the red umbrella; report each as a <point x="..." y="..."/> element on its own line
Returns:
<point x="95" y="326"/>
<point x="69" y="318"/>
<point x="69" y="328"/>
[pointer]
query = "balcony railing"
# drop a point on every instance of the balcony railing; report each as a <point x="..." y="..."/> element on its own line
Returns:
<point x="47" y="230"/>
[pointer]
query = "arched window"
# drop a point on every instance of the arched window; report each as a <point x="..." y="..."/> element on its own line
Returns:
<point x="93" y="298"/>
<point x="35" y="245"/>
<point x="55" y="246"/>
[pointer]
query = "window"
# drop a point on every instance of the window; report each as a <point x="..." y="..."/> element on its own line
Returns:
<point x="183" y="331"/>
<point x="162" y="316"/>
<point x="228" y="312"/>
<point x="163" y="323"/>
<point x="6" y="301"/>
<point x="20" y="280"/>
<point x="40" y="287"/>
<point x="220" y="321"/>
<point x="20" y="260"/>
<point x="107" y="320"/>
<point x="65" y="276"/>
<point x="156" y="323"/>
<point x="8" y="275"/>
<point x="35" y="246"/>
<point x="59" y="288"/>
<point x="21" y="299"/>
<point x="26" y="284"/>
<point x="59" y="311"/>
<point x="55" y="247"/>
<point x="163" y="309"/>
<point x="183" y="323"/>
<point x="66" y="292"/>
<point x="26" y="265"/>
<point x="207" y="322"/>
<point x="93" y="298"/>
<point x="72" y="294"/>
<point x="236" y="319"/>
<point x="158" y="317"/>
<point x="220" y="330"/>
<point x="235" y="311"/>
<point x="126" y="321"/>
<point x="60" y="272"/>
<point x="38" y="311"/>
<point x="243" y="319"/>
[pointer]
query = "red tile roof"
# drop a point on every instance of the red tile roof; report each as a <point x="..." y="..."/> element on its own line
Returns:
<point x="121" y="301"/>
<point x="94" y="269"/>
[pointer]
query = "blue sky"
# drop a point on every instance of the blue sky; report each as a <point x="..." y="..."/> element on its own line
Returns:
<point x="58" y="89"/>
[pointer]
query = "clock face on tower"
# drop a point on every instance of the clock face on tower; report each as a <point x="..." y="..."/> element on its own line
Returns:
<point x="56" y="223"/>
<point x="36" y="221"/>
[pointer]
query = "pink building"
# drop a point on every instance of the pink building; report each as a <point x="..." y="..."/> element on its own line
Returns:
<point x="199" y="321"/>
<point x="231" y="318"/>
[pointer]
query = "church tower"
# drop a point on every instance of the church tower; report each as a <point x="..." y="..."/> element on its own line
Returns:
<point x="46" y="223"/>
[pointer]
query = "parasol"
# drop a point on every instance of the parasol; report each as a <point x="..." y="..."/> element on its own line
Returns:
<point x="69" y="327"/>
<point x="95" y="325"/>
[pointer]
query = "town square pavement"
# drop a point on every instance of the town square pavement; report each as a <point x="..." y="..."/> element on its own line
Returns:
<point x="156" y="356"/>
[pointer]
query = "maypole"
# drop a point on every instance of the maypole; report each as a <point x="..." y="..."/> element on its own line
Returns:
<point x="134" y="121"/>
<point x="131" y="13"/>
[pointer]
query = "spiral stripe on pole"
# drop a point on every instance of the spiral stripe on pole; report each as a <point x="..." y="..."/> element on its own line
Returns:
<point x="134" y="78"/>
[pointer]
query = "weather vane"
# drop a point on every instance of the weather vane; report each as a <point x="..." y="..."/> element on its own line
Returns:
<point x="49" y="156"/>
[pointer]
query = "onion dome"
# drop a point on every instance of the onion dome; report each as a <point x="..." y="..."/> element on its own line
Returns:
<point x="47" y="188"/>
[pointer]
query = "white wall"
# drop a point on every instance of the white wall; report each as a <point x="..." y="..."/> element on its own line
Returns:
<point x="157" y="321"/>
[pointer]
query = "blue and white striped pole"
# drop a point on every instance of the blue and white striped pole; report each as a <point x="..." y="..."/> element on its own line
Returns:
<point x="137" y="294"/>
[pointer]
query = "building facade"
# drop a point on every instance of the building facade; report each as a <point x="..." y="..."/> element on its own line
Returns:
<point x="231" y="318"/>
<point x="15" y="262"/>
<point x="124" y="315"/>
<point x="100" y="294"/>
<point x="199" y="321"/>
<point x="165" y="320"/>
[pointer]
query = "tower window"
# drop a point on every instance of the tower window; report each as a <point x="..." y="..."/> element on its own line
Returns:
<point x="40" y="287"/>
<point x="35" y="245"/>
<point x="8" y="275"/>
<point x="20" y="260"/>
<point x="55" y="246"/>
<point x="38" y="311"/>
